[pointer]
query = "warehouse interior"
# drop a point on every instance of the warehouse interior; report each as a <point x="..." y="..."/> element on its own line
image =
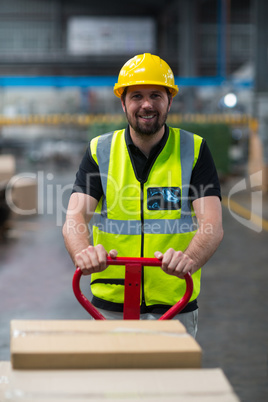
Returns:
<point x="59" y="61"/>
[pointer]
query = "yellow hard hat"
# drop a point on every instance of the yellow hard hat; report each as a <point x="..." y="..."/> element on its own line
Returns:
<point x="145" y="69"/>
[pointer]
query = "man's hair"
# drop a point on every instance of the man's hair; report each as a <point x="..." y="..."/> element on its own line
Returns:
<point x="123" y="96"/>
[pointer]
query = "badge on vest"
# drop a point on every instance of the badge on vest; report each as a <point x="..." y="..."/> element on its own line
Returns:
<point x="163" y="198"/>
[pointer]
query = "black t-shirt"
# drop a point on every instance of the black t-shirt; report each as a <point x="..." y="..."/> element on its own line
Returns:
<point x="204" y="179"/>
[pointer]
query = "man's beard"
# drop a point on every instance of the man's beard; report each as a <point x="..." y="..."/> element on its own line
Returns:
<point x="151" y="129"/>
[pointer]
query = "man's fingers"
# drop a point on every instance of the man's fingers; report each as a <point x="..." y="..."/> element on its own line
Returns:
<point x="166" y="261"/>
<point x="158" y="255"/>
<point x="92" y="259"/>
<point x="176" y="263"/>
<point x="101" y="255"/>
<point x="83" y="261"/>
<point x="112" y="253"/>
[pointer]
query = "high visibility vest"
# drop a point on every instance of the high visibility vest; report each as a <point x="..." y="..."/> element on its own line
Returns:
<point x="138" y="219"/>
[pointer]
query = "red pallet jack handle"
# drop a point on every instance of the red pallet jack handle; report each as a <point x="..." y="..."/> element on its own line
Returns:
<point x="132" y="289"/>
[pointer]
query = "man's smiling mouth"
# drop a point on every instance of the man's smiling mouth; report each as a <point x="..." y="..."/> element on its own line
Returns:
<point x="148" y="117"/>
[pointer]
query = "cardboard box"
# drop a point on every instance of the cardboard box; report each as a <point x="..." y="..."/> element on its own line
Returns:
<point x="7" y="167"/>
<point x="102" y="344"/>
<point x="151" y="385"/>
<point x="5" y="374"/>
<point x="23" y="196"/>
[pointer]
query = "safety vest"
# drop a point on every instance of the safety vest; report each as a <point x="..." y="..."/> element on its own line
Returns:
<point x="138" y="218"/>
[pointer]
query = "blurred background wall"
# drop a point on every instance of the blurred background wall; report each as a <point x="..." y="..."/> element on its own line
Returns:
<point x="61" y="58"/>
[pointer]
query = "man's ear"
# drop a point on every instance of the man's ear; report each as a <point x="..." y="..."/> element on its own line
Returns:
<point x="170" y="103"/>
<point x="123" y="103"/>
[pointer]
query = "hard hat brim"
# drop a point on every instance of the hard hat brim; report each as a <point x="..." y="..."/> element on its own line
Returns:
<point x="119" y="88"/>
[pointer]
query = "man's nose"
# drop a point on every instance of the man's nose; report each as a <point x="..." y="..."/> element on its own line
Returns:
<point x="147" y="103"/>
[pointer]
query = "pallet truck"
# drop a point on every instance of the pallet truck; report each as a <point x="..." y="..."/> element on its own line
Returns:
<point x="133" y="269"/>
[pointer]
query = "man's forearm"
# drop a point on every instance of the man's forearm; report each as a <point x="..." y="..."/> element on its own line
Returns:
<point x="204" y="244"/>
<point x="76" y="235"/>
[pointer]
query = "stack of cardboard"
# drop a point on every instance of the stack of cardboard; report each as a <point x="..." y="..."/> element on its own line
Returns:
<point x="102" y="344"/>
<point x="111" y="361"/>
<point x="7" y="167"/>
<point x="7" y="170"/>
<point x="22" y="195"/>
<point x="150" y="385"/>
<point x="257" y="168"/>
<point x="20" y="190"/>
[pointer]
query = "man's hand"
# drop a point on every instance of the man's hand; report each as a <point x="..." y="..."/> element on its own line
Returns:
<point x="93" y="259"/>
<point x="204" y="243"/>
<point x="175" y="263"/>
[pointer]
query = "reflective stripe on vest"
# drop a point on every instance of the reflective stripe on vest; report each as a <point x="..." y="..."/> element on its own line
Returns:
<point x="125" y="219"/>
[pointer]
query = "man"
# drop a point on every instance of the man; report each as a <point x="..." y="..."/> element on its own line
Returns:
<point x="148" y="186"/>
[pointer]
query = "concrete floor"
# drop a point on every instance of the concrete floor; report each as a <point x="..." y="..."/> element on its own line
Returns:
<point x="36" y="275"/>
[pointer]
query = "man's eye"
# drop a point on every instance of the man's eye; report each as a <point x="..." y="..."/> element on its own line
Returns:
<point x="136" y="97"/>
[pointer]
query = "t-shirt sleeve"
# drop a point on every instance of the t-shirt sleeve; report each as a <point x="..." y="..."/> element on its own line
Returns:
<point x="88" y="180"/>
<point x="204" y="180"/>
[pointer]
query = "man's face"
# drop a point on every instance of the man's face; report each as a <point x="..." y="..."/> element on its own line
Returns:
<point x="146" y="108"/>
